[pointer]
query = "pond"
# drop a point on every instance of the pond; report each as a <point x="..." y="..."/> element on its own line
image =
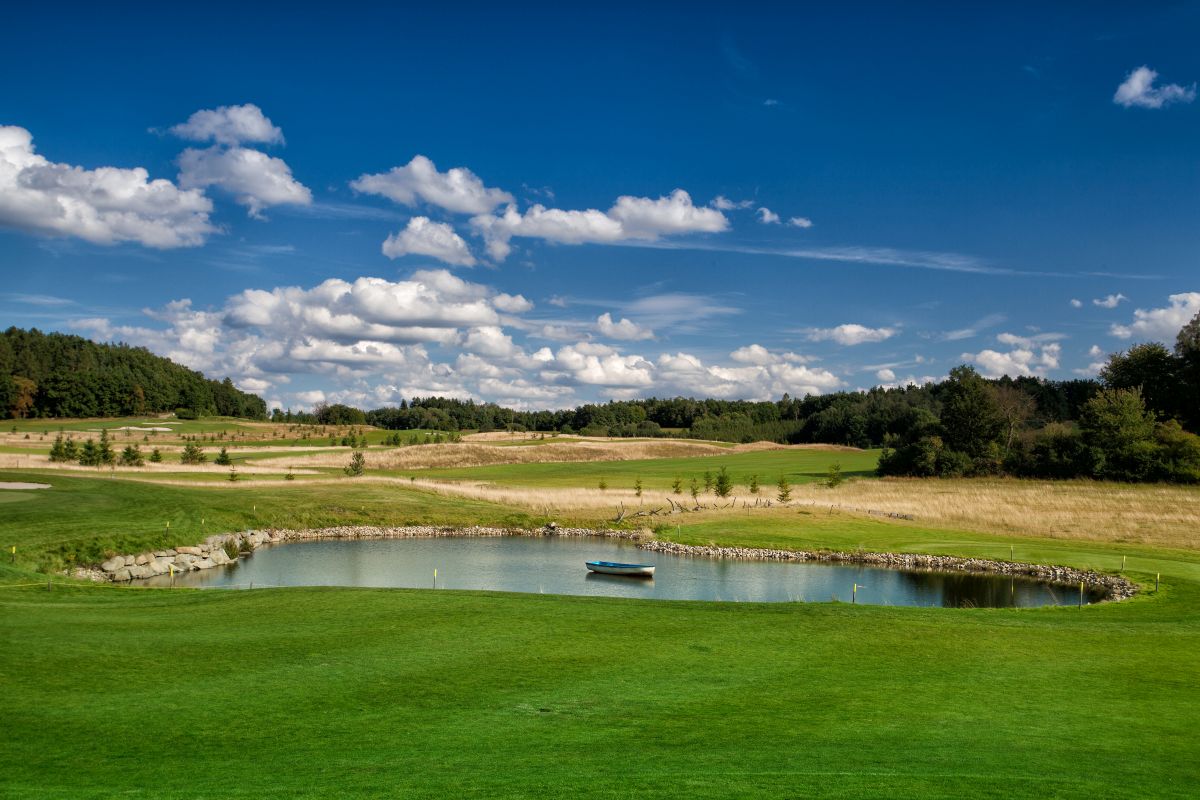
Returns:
<point x="555" y="565"/>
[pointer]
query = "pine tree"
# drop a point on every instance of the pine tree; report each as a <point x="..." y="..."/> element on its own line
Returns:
<point x="357" y="465"/>
<point x="695" y="489"/>
<point x="89" y="456"/>
<point x="192" y="454"/>
<point x="834" y="477"/>
<point x="677" y="485"/>
<point x="785" y="491"/>
<point x="223" y="458"/>
<point x="155" y="456"/>
<point x="131" y="456"/>
<point x="724" y="485"/>
<point x="71" y="450"/>
<point x="708" y="481"/>
<point x="753" y="484"/>
<point x="603" y="484"/>
<point x="637" y="487"/>
<point x="58" y="451"/>
<point x="105" y="451"/>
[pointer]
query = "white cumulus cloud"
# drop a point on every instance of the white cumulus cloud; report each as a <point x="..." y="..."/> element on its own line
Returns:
<point x="1161" y="324"/>
<point x="424" y="237"/>
<point x="1030" y="356"/>
<point x="639" y="218"/>
<point x="1139" y="90"/>
<point x="767" y="217"/>
<point x="1112" y="301"/>
<point x="624" y="329"/>
<point x="256" y="179"/>
<point x="850" y="334"/>
<point x="229" y="125"/>
<point x="105" y="205"/>
<point x="458" y="189"/>
<point x="800" y="222"/>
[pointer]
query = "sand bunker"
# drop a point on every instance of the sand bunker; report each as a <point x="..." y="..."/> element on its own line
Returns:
<point x="18" y="485"/>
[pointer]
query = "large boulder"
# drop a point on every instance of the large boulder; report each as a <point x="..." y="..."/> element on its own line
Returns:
<point x="113" y="564"/>
<point x="168" y="553"/>
<point x="141" y="559"/>
<point x="122" y="575"/>
<point x="204" y="563"/>
<point x="185" y="560"/>
<point x="160" y="566"/>
<point x="140" y="571"/>
<point x="218" y="557"/>
<point x="190" y="551"/>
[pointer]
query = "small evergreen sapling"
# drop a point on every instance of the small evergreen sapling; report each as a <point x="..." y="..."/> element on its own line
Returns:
<point x="785" y="490"/>
<point x="724" y="484"/>
<point x="357" y="465"/>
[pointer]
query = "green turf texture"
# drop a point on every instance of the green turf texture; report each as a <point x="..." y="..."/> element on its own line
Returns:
<point x="799" y="466"/>
<point x="111" y="691"/>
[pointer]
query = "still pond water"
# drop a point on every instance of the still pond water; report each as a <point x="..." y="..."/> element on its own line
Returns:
<point x="555" y="565"/>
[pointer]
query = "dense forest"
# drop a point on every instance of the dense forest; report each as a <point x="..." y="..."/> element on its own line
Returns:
<point x="56" y="375"/>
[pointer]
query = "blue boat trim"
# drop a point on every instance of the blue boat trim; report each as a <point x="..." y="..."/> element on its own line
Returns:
<point x="617" y="564"/>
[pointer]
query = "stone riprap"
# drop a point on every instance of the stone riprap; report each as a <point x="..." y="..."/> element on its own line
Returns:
<point x="212" y="553"/>
<point x="1114" y="587"/>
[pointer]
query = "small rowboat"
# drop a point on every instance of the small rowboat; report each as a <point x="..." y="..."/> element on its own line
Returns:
<point x="613" y="568"/>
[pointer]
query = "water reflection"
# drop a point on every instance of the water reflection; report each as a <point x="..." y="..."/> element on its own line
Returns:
<point x="555" y="565"/>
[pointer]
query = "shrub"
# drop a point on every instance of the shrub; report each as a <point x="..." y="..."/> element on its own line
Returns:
<point x="677" y="485"/>
<point x="603" y="484"/>
<point x="192" y="454"/>
<point x="754" y="484"/>
<point x="785" y="491"/>
<point x="357" y="465"/>
<point x="724" y="484"/>
<point x="131" y="456"/>
<point x="637" y="487"/>
<point x="155" y="456"/>
<point x="833" y="476"/>
<point x="223" y="458"/>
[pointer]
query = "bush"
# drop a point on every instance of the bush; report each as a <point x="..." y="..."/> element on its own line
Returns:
<point x="186" y="413"/>
<point x="155" y="456"/>
<point x="192" y="454"/>
<point x="724" y="484"/>
<point x="833" y="476"/>
<point x="131" y="456"/>
<point x="223" y="458"/>
<point x="357" y="465"/>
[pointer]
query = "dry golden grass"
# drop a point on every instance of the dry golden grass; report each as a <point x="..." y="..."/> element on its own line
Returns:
<point x="1161" y="515"/>
<point x="477" y="455"/>
<point x="42" y="461"/>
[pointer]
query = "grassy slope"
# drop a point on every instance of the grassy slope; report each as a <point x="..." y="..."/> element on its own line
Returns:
<point x="319" y="692"/>
<point x="798" y="465"/>
<point x="89" y="517"/>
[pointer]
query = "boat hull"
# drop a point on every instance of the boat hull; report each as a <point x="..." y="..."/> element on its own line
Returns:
<point x="628" y="570"/>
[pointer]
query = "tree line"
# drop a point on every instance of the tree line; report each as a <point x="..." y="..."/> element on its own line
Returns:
<point x="58" y="375"/>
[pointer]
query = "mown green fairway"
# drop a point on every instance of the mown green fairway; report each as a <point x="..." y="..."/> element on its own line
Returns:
<point x="113" y="691"/>
<point x="798" y="465"/>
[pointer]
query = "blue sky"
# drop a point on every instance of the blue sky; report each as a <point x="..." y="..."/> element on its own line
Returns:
<point x="547" y="206"/>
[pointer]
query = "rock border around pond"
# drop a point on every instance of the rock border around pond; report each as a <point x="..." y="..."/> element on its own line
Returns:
<point x="212" y="553"/>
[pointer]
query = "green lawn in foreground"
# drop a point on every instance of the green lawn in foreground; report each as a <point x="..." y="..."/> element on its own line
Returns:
<point x="800" y="466"/>
<point x="112" y="691"/>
